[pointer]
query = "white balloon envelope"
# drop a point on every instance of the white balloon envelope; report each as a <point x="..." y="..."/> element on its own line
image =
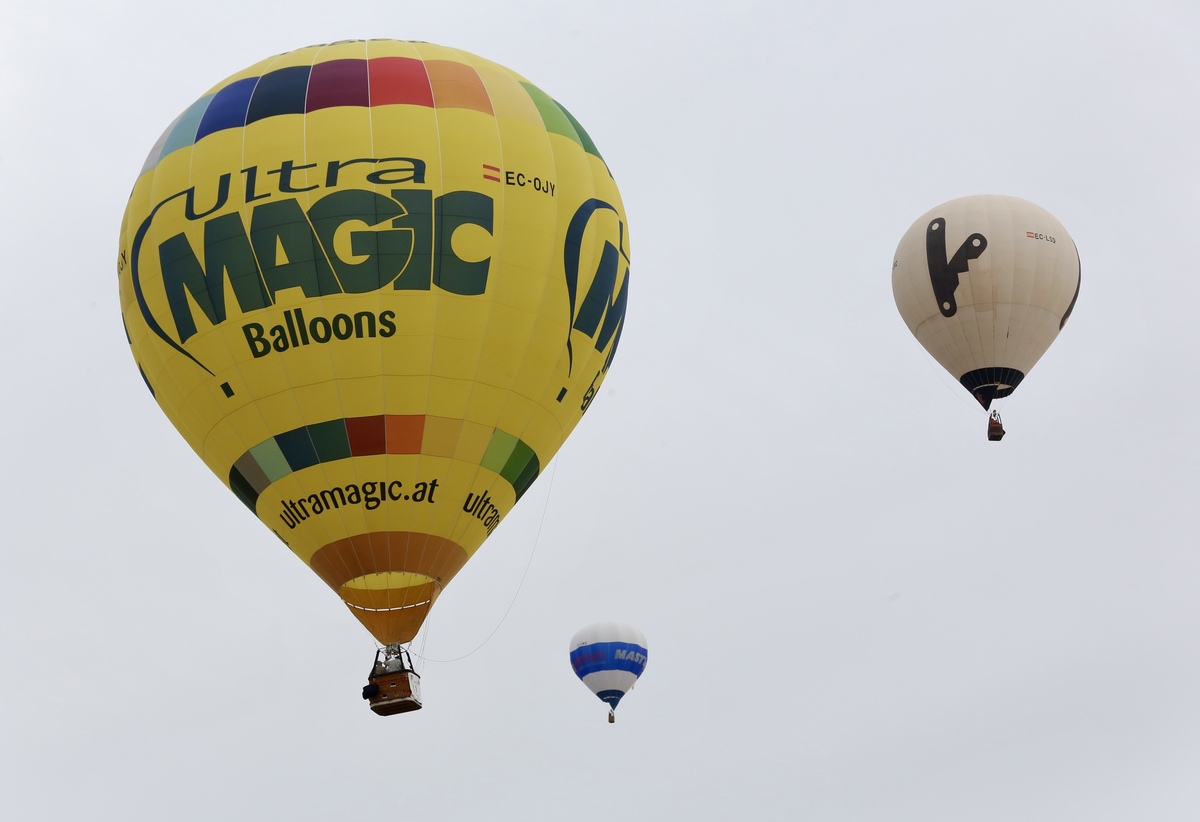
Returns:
<point x="609" y="657"/>
<point x="985" y="283"/>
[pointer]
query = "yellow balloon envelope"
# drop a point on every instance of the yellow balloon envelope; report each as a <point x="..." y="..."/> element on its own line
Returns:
<point x="375" y="285"/>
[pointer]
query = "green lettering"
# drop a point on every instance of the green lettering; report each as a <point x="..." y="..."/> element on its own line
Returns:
<point x="600" y="302"/>
<point x="369" y="499"/>
<point x="288" y="250"/>
<point x="452" y="210"/>
<point x="279" y="334"/>
<point x="387" y="326"/>
<point x="411" y="170"/>
<point x="227" y="251"/>
<point x="364" y="324"/>
<point x="259" y="347"/>
<point x="417" y="218"/>
<point x="387" y="252"/>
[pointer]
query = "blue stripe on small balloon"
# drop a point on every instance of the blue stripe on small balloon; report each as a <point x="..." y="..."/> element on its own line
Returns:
<point x="608" y="656"/>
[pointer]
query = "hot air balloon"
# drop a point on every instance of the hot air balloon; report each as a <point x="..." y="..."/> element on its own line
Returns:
<point x="609" y="657"/>
<point x="375" y="285"/>
<point x="985" y="283"/>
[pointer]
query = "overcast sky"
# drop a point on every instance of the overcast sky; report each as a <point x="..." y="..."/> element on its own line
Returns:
<point x="856" y="607"/>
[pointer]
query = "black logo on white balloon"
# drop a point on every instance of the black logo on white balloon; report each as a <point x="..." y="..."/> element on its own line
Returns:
<point x="943" y="274"/>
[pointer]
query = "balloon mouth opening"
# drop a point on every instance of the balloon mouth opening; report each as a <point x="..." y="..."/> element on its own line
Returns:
<point x="987" y="384"/>
<point x="389" y="579"/>
<point x="392" y="605"/>
<point x="611" y="697"/>
<point x="424" y="604"/>
<point x="389" y="591"/>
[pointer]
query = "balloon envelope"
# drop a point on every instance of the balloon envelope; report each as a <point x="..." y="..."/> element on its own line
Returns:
<point x="609" y="657"/>
<point x="985" y="283"/>
<point x="375" y="285"/>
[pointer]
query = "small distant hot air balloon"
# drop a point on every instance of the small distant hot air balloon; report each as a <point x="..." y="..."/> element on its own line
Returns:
<point x="985" y="283"/>
<point x="609" y="657"/>
<point x="375" y="285"/>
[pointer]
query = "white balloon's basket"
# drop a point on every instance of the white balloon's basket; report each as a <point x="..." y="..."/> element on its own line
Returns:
<point x="995" y="427"/>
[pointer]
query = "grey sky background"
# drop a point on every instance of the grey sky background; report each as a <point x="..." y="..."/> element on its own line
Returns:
<point x="857" y="608"/>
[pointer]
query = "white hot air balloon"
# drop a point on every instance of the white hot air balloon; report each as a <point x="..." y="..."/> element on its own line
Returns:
<point x="985" y="283"/>
<point x="609" y="657"/>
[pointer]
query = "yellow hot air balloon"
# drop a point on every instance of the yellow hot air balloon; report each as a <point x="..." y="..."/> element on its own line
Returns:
<point x="375" y="285"/>
<point x="985" y="283"/>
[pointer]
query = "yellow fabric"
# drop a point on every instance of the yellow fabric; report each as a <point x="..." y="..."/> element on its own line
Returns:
<point x="318" y="264"/>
